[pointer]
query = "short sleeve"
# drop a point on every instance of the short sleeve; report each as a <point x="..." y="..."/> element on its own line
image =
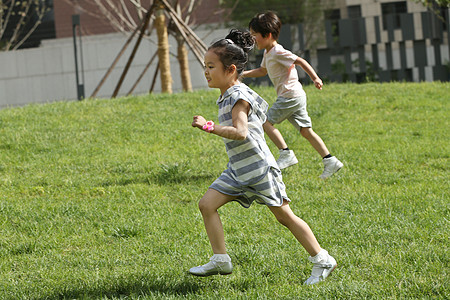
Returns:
<point x="286" y="57"/>
<point x="263" y="62"/>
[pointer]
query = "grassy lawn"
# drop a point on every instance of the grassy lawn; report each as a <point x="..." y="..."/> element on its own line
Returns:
<point x="98" y="199"/>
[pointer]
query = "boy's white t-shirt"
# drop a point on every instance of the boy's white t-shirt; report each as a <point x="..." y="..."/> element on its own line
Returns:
<point x="280" y="66"/>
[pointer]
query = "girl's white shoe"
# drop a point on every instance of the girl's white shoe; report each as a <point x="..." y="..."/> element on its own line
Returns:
<point x="214" y="267"/>
<point x="324" y="264"/>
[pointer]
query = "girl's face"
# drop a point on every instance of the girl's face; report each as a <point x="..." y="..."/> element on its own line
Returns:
<point x="215" y="73"/>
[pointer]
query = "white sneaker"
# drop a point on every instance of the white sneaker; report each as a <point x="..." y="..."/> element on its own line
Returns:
<point x="324" y="264"/>
<point x="287" y="158"/>
<point x="331" y="165"/>
<point x="212" y="268"/>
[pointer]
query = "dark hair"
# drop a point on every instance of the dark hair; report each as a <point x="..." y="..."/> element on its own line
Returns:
<point x="265" y="23"/>
<point x="233" y="49"/>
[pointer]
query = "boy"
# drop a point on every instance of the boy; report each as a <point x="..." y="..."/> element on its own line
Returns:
<point x="279" y="64"/>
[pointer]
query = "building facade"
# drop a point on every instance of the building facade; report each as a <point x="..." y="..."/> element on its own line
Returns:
<point x="96" y="22"/>
<point x="384" y="40"/>
<point x="365" y="40"/>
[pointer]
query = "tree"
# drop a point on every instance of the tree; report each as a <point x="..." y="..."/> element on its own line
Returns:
<point x="436" y="7"/>
<point x="163" y="50"/>
<point x="431" y="3"/>
<point x="19" y="19"/>
<point x="125" y="15"/>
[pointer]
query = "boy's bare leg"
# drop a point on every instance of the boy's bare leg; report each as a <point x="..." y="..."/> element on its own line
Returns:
<point x="315" y="141"/>
<point x="274" y="135"/>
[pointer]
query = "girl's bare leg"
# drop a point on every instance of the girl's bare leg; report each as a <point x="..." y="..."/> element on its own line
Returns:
<point x="298" y="227"/>
<point x="208" y="206"/>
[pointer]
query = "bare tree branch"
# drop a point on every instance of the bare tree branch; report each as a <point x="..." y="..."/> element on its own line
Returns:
<point x="41" y="14"/>
<point x="8" y="15"/>
<point x="19" y="24"/>
<point x="21" y="18"/>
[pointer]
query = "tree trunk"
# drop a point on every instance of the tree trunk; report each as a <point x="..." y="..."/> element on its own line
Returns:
<point x="163" y="51"/>
<point x="184" y="65"/>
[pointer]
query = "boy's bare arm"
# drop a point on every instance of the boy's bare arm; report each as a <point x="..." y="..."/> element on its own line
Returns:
<point x="310" y="71"/>
<point x="260" y="72"/>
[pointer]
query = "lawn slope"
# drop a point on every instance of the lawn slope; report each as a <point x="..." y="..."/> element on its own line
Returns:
<point x="98" y="199"/>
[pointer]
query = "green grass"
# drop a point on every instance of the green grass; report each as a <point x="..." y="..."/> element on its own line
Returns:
<point x="98" y="199"/>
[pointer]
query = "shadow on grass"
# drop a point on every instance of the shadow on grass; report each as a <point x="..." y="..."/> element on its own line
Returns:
<point x="165" y="175"/>
<point x="177" y="173"/>
<point x="148" y="286"/>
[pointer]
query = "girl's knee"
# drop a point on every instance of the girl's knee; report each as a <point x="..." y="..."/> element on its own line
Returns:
<point x="202" y="205"/>
<point x="205" y="206"/>
<point x="284" y="218"/>
<point x="282" y="221"/>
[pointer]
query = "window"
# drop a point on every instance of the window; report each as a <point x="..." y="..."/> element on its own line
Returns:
<point x="354" y="11"/>
<point x="333" y="15"/>
<point x="394" y="9"/>
<point x="443" y="17"/>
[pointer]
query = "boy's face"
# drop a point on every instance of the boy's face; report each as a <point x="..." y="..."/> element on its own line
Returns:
<point x="261" y="42"/>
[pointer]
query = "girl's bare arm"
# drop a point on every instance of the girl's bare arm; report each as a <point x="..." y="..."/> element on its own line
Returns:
<point x="239" y="129"/>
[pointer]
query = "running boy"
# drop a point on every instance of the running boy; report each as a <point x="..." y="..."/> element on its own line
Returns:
<point x="252" y="173"/>
<point x="279" y="64"/>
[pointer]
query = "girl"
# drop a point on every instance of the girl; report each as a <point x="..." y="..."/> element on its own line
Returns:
<point x="252" y="173"/>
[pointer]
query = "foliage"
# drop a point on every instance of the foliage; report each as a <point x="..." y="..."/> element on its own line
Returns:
<point x="18" y="20"/>
<point x="307" y="12"/>
<point x="289" y="11"/>
<point x="99" y="199"/>
<point x="431" y="3"/>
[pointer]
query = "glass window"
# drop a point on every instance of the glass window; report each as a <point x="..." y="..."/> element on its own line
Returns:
<point x="334" y="15"/>
<point x="354" y="11"/>
<point x="395" y="9"/>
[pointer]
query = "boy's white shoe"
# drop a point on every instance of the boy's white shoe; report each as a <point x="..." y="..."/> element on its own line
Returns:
<point x="287" y="158"/>
<point x="331" y="165"/>
<point x="214" y="267"/>
<point x="324" y="264"/>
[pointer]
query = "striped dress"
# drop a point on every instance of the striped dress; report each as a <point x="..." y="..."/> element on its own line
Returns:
<point x="252" y="173"/>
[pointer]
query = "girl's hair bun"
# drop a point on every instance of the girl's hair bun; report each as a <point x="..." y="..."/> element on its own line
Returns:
<point x="242" y="39"/>
<point x="233" y="49"/>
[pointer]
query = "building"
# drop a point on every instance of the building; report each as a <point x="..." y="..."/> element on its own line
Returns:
<point x="377" y="40"/>
<point x="384" y="40"/>
<point x="48" y="73"/>
<point x="94" y="22"/>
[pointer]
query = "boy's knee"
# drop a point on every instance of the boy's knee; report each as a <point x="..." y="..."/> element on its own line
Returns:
<point x="267" y="125"/>
<point x="306" y="131"/>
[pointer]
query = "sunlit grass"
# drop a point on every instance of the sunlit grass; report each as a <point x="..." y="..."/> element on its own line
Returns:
<point x="98" y="199"/>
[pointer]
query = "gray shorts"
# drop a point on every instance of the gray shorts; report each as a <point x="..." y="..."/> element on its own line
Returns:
<point x="293" y="109"/>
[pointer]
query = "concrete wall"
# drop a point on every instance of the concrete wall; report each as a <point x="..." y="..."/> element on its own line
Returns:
<point x="47" y="73"/>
